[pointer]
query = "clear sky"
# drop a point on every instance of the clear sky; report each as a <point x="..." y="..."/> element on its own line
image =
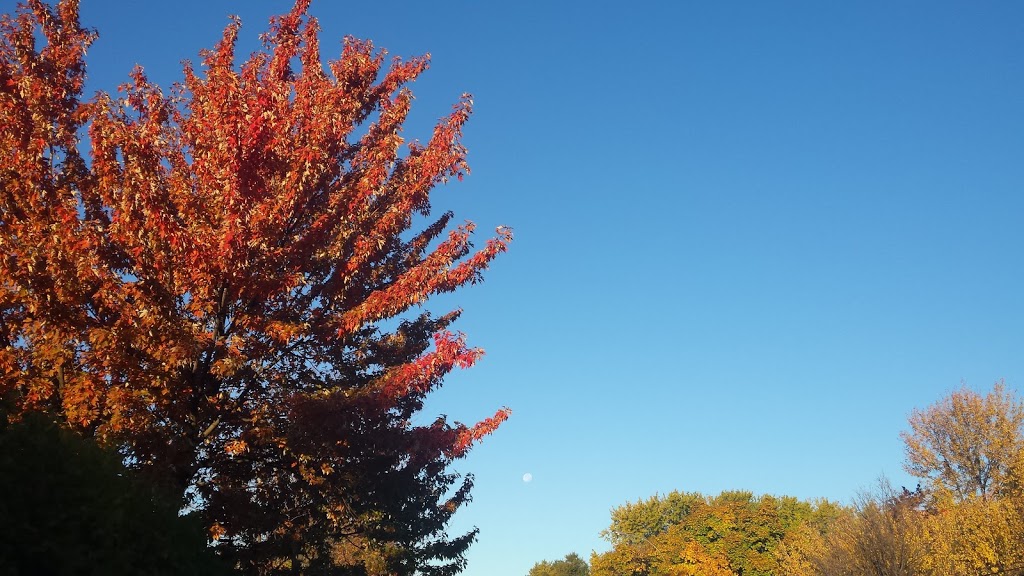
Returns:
<point x="751" y="237"/>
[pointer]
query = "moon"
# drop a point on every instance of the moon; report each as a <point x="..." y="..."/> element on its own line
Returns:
<point x="527" y="477"/>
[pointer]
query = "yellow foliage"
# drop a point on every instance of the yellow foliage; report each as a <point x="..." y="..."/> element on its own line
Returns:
<point x="968" y="445"/>
<point x="975" y="537"/>
<point x="694" y="560"/>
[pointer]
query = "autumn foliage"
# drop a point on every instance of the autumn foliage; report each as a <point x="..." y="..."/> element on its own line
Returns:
<point x="223" y="279"/>
<point x="966" y="517"/>
<point x="968" y="445"/>
<point x="690" y="534"/>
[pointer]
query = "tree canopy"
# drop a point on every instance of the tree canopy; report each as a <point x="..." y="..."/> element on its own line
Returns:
<point x="224" y="281"/>
<point x="968" y="445"/>
<point x="571" y="565"/>
<point x="734" y="532"/>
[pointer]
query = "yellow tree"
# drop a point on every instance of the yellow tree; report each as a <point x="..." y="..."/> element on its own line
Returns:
<point x="803" y="549"/>
<point x="975" y="537"/>
<point x="691" y="558"/>
<point x="882" y="536"/>
<point x="799" y="549"/>
<point x="967" y="445"/>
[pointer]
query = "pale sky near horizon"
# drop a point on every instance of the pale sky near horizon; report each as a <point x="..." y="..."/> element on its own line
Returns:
<point x="751" y="237"/>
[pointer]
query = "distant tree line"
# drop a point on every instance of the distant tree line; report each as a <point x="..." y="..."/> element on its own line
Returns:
<point x="965" y="517"/>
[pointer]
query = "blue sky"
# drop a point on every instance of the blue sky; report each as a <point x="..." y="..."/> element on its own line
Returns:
<point x="751" y="237"/>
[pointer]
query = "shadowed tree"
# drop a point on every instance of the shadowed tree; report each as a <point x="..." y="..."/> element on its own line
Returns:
<point x="70" y="507"/>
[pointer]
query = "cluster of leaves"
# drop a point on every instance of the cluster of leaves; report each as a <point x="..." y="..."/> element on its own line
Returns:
<point x="204" y="284"/>
<point x="967" y="516"/>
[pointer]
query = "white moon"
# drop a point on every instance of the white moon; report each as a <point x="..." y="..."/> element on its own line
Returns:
<point x="527" y="477"/>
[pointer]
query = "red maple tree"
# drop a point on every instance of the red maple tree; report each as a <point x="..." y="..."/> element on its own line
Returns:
<point x="223" y="280"/>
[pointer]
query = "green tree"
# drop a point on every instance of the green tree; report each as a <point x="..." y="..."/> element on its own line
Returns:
<point x="571" y="565"/>
<point x="636" y="521"/>
<point x="68" y="506"/>
<point x="689" y="533"/>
